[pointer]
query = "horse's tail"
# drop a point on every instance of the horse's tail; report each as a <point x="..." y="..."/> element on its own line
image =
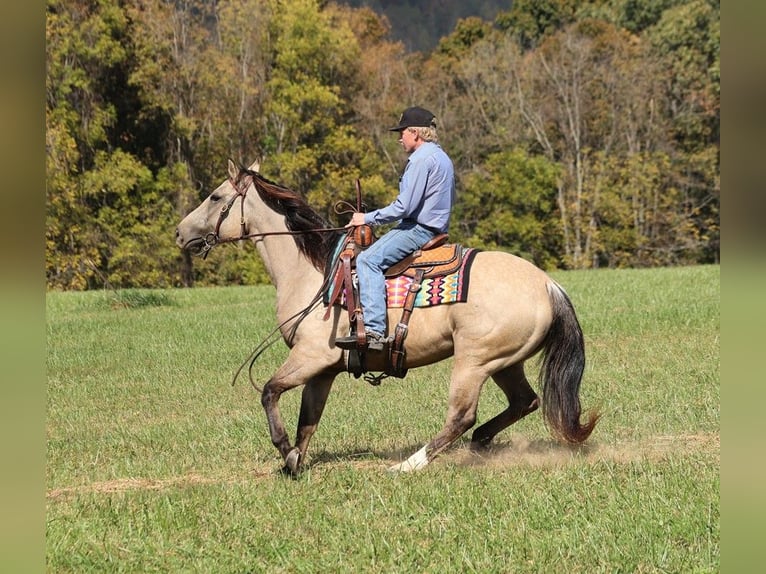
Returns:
<point x="562" y="370"/>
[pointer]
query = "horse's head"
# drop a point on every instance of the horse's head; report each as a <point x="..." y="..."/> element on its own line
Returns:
<point x="213" y="221"/>
<point x="261" y="208"/>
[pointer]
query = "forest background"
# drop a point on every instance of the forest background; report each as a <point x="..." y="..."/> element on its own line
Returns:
<point x="584" y="134"/>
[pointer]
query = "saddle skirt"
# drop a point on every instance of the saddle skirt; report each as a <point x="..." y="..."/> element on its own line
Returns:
<point x="442" y="260"/>
<point x="445" y="279"/>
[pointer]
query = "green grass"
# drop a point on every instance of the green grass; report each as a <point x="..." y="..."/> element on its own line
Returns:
<point x="155" y="463"/>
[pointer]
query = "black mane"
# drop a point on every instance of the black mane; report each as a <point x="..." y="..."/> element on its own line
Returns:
<point x="299" y="216"/>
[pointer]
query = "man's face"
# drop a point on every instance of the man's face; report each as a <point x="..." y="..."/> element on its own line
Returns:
<point x="409" y="139"/>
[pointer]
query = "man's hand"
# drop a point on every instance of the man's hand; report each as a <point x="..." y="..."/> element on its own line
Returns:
<point x="356" y="220"/>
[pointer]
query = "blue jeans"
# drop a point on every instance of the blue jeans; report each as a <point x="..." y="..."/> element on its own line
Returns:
<point x="371" y="263"/>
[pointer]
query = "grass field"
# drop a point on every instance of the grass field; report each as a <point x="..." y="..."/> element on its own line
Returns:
<point x="156" y="463"/>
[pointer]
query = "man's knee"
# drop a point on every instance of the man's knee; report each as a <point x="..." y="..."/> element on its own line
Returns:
<point x="367" y="263"/>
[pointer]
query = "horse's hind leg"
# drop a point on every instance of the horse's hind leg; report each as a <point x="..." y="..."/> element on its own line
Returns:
<point x="522" y="400"/>
<point x="461" y="415"/>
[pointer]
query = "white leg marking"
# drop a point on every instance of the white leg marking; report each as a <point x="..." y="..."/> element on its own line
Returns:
<point x="415" y="462"/>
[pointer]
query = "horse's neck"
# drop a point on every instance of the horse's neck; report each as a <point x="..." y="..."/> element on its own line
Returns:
<point x="294" y="276"/>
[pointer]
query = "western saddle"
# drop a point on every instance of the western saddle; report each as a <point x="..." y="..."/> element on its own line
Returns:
<point x="435" y="258"/>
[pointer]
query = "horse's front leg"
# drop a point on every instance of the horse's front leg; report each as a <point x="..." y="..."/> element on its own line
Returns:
<point x="270" y="402"/>
<point x="301" y="367"/>
<point x="289" y="375"/>
<point x="313" y="401"/>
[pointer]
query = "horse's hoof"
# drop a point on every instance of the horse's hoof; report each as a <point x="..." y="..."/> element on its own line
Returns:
<point x="293" y="461"/>
<point x="406" y="466"/>
<point x="415" y="462"/>
<point x="480" y="446"/>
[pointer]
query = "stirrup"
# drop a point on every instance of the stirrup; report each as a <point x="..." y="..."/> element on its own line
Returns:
<point x="374" y="341"/>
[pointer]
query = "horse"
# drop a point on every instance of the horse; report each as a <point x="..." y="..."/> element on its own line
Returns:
<point x="514" y="311"/>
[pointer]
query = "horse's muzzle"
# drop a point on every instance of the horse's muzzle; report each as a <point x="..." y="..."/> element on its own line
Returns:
<point x="195" y="246"/>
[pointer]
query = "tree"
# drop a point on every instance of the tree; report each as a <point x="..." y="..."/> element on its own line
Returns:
<point x="584" y="97"/>
<point x="509" y="204"/>
<point x="483" y="109"/>
<point x="686" y="43"/>
<point x="312" y="144"/>
<point x="85" y="63"/>
<point x="614" y="104"/>
<point x="529" y="21"/>
<point x="201" y="67"/>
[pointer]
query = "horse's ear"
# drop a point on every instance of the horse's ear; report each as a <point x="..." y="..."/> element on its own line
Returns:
<point x="233" y="169"/>
<point x="255" y="166"/>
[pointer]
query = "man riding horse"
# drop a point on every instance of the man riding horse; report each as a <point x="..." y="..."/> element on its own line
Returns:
<point x="423" y="208"/>
<point x="512" y="312"/>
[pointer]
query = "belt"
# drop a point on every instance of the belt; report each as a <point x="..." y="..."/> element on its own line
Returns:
<point x="426" y="227"/>
<point x="431" y="229"/>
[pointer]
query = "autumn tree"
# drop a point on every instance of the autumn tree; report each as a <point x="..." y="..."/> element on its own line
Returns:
<point x="686" y="42"/>
<point x="583" y="134"/>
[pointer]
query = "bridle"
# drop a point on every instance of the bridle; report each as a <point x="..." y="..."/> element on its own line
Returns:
<point x="241" y="185"/>
<point x="213" y="238"/>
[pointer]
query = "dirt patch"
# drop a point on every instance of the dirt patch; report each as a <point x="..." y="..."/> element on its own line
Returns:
<point x="126" y="484"/>
<point x="518" y="451"/>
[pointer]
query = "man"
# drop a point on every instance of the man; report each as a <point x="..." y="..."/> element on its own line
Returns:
<point x="423" y="208"/>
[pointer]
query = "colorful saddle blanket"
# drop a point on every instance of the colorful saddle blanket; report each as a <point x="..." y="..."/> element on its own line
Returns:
<point x="438" y="290"/>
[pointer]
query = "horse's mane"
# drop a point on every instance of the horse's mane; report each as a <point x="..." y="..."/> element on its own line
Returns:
<point x="299" y="216"/>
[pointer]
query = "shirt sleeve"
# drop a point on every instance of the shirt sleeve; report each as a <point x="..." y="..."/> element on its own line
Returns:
<point x="412" y="188"/>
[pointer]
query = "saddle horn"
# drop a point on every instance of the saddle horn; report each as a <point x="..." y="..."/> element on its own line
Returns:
<point x="363" y="235"/>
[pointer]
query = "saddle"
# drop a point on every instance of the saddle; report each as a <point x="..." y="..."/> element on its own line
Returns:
<point x="435" y="258"/>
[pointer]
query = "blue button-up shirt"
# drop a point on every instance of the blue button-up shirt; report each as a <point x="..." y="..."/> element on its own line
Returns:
<point x="426" y="191"/>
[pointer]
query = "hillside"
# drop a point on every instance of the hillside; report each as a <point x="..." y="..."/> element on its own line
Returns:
<point x="419" y="24"/>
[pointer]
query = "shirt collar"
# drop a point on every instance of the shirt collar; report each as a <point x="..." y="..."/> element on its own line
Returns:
<point x="425" y="149"/>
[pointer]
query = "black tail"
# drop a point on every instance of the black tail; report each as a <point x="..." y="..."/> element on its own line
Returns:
<point x="562" y="370"/>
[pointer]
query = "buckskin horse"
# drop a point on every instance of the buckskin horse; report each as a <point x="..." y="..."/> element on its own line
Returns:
<point x="514" y="310"/>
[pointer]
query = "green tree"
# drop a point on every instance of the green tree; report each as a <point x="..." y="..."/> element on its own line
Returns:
<point x="529" y="21"/>
<point x="314" y="66"/>
<point x="467" y="32"/>
<point x="312" y="143"/>
<point x="686" y="43"/>
<point x="509" y="204"/>
<point x="637" y="219"/>
<point x="85" y="64"/>
<point x="135" y="242"/>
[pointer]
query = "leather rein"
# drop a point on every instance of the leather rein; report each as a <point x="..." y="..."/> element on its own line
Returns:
<point x="213" y="238"/>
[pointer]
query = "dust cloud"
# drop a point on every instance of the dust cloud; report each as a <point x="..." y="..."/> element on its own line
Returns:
<point x="522" y="451"/>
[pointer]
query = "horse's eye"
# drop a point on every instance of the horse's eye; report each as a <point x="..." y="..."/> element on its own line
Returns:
<point x="215" y="197"/>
